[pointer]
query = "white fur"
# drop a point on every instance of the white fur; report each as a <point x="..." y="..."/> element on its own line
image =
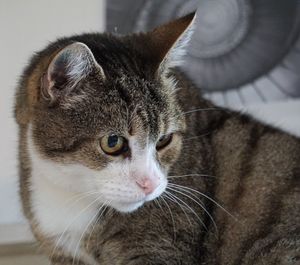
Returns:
<point x="60" y="212"/>
<point x="56" y="189"/>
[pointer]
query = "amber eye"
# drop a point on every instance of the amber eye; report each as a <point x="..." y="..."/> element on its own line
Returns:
<point x="164" y="141"/>
<point x="113" y="144"/>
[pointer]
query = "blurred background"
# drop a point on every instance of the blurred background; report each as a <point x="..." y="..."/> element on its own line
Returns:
<point x="244" y="54"/>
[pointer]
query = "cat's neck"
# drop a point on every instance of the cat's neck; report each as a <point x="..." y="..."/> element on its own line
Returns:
<point x="49" y="200"/>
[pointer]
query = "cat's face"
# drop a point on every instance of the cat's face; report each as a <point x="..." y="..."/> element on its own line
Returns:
<point x="111" y="137"/>
<point x="116" y="138"/>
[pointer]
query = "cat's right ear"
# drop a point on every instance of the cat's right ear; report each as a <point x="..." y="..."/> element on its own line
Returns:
<point x="169" y="42"/>
<point x="72" y="64"/>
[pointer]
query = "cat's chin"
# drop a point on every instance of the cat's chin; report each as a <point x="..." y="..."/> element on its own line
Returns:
<point x="128" y="207"/>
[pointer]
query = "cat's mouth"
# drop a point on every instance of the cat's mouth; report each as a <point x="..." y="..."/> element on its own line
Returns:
<point x="130" y="206"/>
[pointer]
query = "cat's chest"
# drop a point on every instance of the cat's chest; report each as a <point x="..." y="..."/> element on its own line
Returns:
<point x="59" y="213"/>
<point x="63" y="216"/>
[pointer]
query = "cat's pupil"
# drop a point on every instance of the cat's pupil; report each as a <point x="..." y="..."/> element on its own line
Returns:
<point x="112" y="140"/>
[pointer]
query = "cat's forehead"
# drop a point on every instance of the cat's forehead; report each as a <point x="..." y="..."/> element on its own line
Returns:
<point x="135" y="105"/>
<point x="125" y="105"/>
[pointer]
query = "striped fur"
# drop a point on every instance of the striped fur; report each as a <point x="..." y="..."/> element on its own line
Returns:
<point x="240" y="200"/>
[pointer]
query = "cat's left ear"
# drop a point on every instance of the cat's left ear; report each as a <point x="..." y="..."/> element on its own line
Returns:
<point x="170" y="42"/>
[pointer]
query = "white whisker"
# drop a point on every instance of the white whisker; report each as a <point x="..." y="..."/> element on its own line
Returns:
<point x="190" y="175"/>
<point x="198" y="136"/>
<point x="83" y="233"/>
<point x="70" y="224"/>
<point x="79" y="197"/>
<point x="195" y="110"/>
<point x="189" y="207"/>
<point x="197" y="202"/>
<point x="206" y="196"/>
<point x="96" y="221"/>
<point x="171" y="214"/>
<point x="69" y="203"/>
<point x="169" y="196"/>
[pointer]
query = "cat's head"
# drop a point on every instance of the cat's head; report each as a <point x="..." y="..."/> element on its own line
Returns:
<point x="104" y="117"/>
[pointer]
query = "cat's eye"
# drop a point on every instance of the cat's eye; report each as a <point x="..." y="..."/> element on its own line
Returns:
<point x="113" y="144"/>
<point x="164" y="141"/>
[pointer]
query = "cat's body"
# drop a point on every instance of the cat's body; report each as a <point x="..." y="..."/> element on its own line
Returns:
<point x="248" y="211"/>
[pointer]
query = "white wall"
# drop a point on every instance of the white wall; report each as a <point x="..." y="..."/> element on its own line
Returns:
<point x="27" y="26"/>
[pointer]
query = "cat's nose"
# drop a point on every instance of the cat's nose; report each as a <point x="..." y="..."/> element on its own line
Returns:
<point x="148" y="185"/>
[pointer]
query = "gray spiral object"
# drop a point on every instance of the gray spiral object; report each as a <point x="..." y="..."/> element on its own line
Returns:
<point x="242" y="51"/>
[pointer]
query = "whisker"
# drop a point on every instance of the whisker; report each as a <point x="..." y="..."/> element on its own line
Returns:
<point x="79" y="197"/>
<point x="197" y="110"/>
<point x="198" y="203"/>
<point x="190" y="175"/>
<point x="96" y="221"/>
<point x="156" y="201"/>
<point x="169" y="196"/>
<point x="69" y="225"/>
<point x="85" y="229"/>
<point x="69" y="203"/>
<point x="191" y="209"/>
<point x="171" y="214"/>
<point x="207" y="197"/>
<point x="82" y="234"/>
<point x="110" y="212"/>
<point x="198" y="136"/>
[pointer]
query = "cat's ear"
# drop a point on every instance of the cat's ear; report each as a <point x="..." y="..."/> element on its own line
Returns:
<point x="72" y="64"/>
<point x="170" y="42"/>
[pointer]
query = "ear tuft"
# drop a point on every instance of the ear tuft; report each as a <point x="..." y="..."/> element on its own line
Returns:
<point x="67" y="69"/>
<point x="176" y="54"/>
<point x="170" y="42"/>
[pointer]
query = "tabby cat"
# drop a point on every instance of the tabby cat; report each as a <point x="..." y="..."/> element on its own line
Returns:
<point x="123" y="162"/>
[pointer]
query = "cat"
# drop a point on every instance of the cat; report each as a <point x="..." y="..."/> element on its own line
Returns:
<point x="123" y="162"/>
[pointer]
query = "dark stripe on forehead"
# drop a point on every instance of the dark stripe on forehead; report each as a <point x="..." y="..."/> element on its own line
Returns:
<point x="144" y="118"/>
<point x="156" y="95"/>
<point x="160" y="110"/>
<point x="124" y="95"/>
<point x="144" y="100"/>
<point x="153" y="123"/>
<point x="127" y="65"/>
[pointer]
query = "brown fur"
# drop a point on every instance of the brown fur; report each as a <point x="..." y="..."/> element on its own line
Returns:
<point x="251" y="169"/>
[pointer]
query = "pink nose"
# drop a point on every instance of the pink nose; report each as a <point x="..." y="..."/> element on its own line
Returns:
<point x="147" y="185"/>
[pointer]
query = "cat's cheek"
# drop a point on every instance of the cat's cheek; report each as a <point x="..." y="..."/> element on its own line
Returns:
<point x="116" y="187"/>
<point x="122" y="191"/>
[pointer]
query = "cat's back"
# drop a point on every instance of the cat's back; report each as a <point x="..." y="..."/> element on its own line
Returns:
<point x="259" y="171"/>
